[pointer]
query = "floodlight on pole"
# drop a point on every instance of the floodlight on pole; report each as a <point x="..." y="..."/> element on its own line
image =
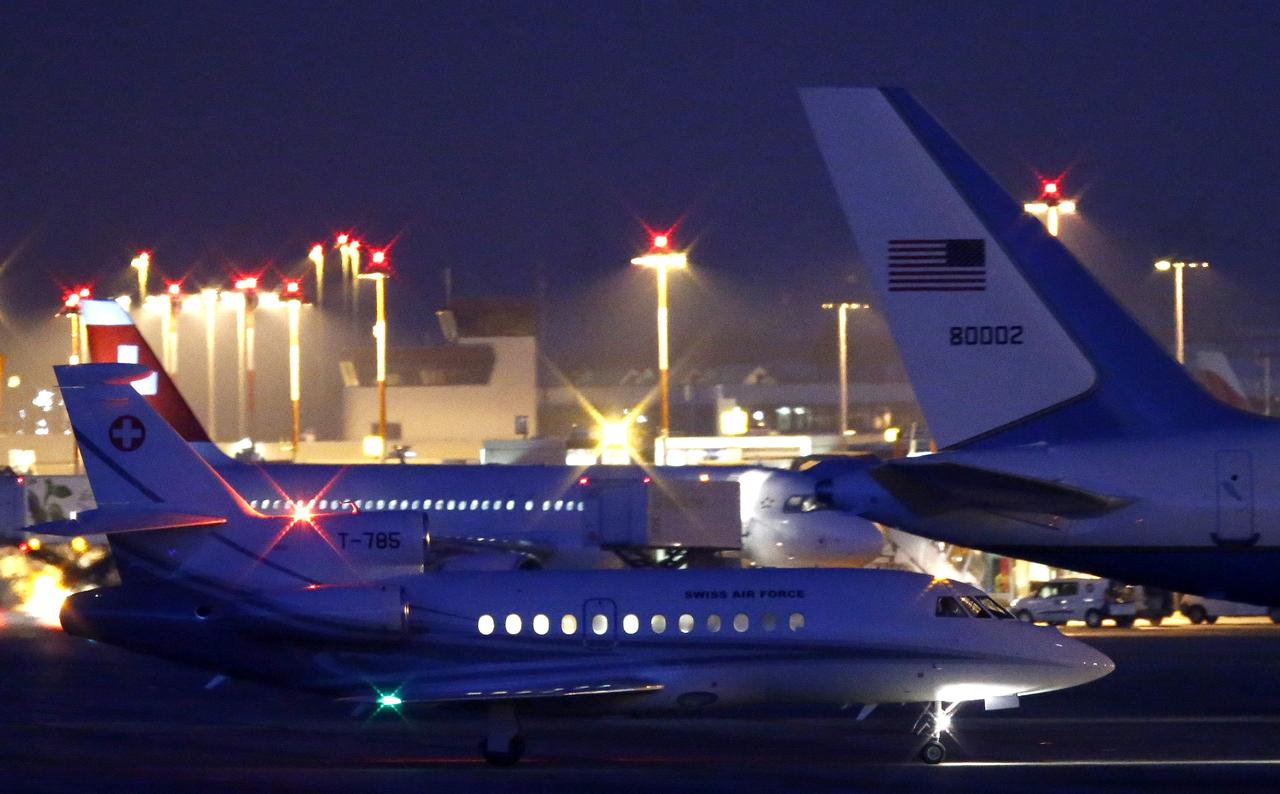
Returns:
<point x="842" y="333"/>
<point x="247" y="286"/>
<point x="317" y="258"/>
<point x="169" y="327"/>
<point x="1164" y="266"/>
<point x="209" y="296"/>
<point x="293" y="301"/>
<point x="662" y="260"/>
<point x="142" y="264"/>
<point x="1051" y="205"/>
<point x="379" y="274"/>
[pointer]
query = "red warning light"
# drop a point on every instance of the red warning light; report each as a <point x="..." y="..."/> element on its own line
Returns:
<point x="647" y="480"/>
<point x="583" y="481"/>
<point x="247" y="283"/>
<point x="292" y="287"/>
<point x="379" y="257"/>
<point x="175" y="289"/>
<point x="71" y="300"/>
<point x="1050" y="188"/>
<point x="661" y="241"/>
<point x="343" y="239"/>
<point x="85" y="292"/>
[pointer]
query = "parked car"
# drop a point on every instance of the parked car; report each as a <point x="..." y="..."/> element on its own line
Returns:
<point x="1090" y="600"/>
<point x="1208" y="610"/>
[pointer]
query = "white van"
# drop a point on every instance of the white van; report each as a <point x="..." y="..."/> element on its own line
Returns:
<point x="1090" y="600"/>
<point x="1208" y="610"/>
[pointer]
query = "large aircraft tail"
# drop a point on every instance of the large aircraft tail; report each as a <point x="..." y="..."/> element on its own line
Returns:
<point x="114" y="338"/>
<point x="133" y="458"/>
<point x="1006" y="337"/>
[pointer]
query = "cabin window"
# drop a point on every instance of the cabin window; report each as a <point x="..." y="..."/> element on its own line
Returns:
<point x="658" y="623"/>
<point x="972" y="607"/>
<point x="528" y="505"/>
<point x="769" y="621"/>
<point x="599" y="624"/>
<point x="381" y="504"/>
<point x="511" y="504"/>
<point x="686" y="623"/>
<point x="484" y="505"/>
<point x="439" y="504"/>
<point x="993" y="606"/>
<point x="796" y="621"/>
<point x="630" y="624"/>
<point x="277" y="505"/>
<point x="513" y="624"/>
<point x="415" y="504"/>
<point x="569" y="624"/>
<point x="546" y="506"/>
<point x="541" y="625"/>
<point x="948" y="607"/>
<point x="451" y="503"/>
<point x="559" y="504"/>
<point x="485" y="624"/>
<point x="741" y="622"/>
<point x="475" y="503"/>
<point x="713" y="623"/>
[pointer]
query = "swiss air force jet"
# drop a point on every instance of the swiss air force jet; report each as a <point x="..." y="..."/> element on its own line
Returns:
<point x="500" y="517"/>
<point x="340" y="605"/>
<point x="1067" y="435"/>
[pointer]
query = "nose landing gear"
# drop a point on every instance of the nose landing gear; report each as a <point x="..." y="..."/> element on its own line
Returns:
<point x="935" y="721"/>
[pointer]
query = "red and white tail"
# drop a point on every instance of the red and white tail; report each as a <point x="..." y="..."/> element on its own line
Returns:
<point x="1215" y="374"/>
<point x="113" y="338"/>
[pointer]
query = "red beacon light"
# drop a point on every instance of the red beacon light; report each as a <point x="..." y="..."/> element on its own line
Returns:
<point x="661" y="241"/>
<point x="175" y="289"/>
<point x="247" y="283"/>
<point x="379" y="257"/>
<point x="85" y="292"/>
<point x="1050" y="188"/>
<point x="72" y="300"/>
<point x="292" y="288"/>
<point x="343" y="239"/>
<point x="584" y="481"/>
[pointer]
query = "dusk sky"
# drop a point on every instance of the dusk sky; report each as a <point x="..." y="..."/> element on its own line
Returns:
<point x="504" y="139"/>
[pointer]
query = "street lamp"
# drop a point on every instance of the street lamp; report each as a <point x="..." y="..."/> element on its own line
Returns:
<point x="842" y="332"/>
<point x="210" y="297"/>
<point x="142" y="264"/>
<point x="662" y="259"/>
<point x="293" y="300"/>
<point x="1051" y="204"/>
<point x="317" y="258"/>
<point x="378" y="274"/>
<point x="169" y="327"/>
<point x="1164" y="265"/>
<point x="248" y="289"/>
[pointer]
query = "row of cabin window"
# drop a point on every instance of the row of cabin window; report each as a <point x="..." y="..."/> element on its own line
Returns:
<point x="548" y="505"/>
<point x="741" y="622"/>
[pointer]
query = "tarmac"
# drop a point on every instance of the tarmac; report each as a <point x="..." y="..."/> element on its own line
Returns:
<point x="1188" y="708"/>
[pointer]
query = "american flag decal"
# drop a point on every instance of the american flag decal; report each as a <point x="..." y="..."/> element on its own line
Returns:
<point x="937" y="265"/>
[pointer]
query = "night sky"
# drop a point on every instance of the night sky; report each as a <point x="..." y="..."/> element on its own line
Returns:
<point x="526" y="140"/>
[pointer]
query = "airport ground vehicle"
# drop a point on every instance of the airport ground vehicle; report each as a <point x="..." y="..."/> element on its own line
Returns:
<point x="1207" y="610"/>
<point x="1090" y="600"/>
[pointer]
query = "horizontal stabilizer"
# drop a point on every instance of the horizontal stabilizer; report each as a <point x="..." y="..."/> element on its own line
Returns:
<point x="102" y="522"/>
<point x="930" y="487"/>
<point x="507" y="687"/>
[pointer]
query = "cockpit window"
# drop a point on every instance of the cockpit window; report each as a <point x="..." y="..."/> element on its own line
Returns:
<point x="993" y="606"/>
<point x="973" y="607"/>
<point x="949" y="607"/>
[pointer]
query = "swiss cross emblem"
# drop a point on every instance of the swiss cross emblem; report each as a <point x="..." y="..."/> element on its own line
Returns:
<point x="127" y="433"/>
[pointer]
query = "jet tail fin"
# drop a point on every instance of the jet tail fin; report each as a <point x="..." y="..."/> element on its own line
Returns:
<point x="131" y="455"/>
<point x="114" y="338"/>
<point x="1006" y="337"/>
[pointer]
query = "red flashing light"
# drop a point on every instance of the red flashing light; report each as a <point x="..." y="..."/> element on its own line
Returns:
<point x="23" y="547"/>
<point x="379" y="257"/>
<point x="1051" y="188"/>
<point x="661" y="241"/>
<point x="175" y="289"/>
<point x="21" y="479"/>
<point x="355" y="244"/>
<point x="247" y="283"/>
<point x="72" y="300"/>
<point x="292" y="287"/>
<point x="343" y="239"/>
<point x="583" y="481"/>
<point x="647" y="480"/>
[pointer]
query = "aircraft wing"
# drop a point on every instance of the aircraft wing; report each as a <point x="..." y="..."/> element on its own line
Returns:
<point x="483" y="688"/>
<point x="937" y="486"/>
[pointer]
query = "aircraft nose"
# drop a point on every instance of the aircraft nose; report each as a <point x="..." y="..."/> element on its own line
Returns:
<point x="1083" y="662"/>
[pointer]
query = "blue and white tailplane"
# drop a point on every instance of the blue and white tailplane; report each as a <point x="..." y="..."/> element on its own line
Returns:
<point x="133" y="458"/>
<point x="1006" y="338"/>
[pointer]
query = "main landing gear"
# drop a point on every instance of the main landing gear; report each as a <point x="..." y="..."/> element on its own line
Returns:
<point x="935" y="721"/>
<point x="503" y="745"/>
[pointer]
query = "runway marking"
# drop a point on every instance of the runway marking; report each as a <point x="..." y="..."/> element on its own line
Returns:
<point x="1116" y="762"/>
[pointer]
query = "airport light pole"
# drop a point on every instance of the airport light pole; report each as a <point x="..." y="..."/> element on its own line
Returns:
<point x="142" y="264"/>
<point x="1051" y="205"/>
<point x="1164" y="266"/>
<point x="71" y="308"/>
<point x="317" y="258"/>
<point x="379" y="274"/>
<point x="662" y="259"/>
<point x="210" y="298"/>
<point x="842" y="332"/>
<point x="169" y="327"/>
<point x="293" y="301"/>
<point x="248" y="289"/>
